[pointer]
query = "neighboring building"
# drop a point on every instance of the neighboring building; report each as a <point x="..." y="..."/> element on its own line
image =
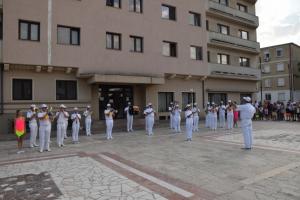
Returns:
<point x="95" y="52"/>
<point x="280" y="66"/>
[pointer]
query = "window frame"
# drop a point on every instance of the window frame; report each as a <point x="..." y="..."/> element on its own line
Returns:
<point x="170" y="16"/>
<point x="226" y="3"/>
<point x="112" y="40"/>
<point x="241" y="61"/>
<point x="196" y="19"/>
<point x="12" y="89"/>
<point x="225" y="26"/>
<point x="134" y="38"/>
<point x="112" y="5"/>
<point x="282" y="69"/>
<point x="221" y="60"/>
<point x="170" y="49"/>
<point x="241" y="34"/>
<point x="191" y="95"/>
<point x="29" y="23"/>
<point x="277" y="50"/>
<point x="199" y="52"/>
<point x="239" y="5"/>
<point x="77" y="29"/>
<point x="282" y="83"/>
<point x="66" y="80"/>
<point x="166" y="103"/>
<point x="269" y="85"/>
<point x="135" y="7"/>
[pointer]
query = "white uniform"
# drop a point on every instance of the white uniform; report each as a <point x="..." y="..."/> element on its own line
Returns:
<point x="88" y="122"/>
<point x="209" y="117"/>
<point x="230" y="118"/>
<point x="129" y="119"/>
<point x="109" y="123"/>
<point x="171" y="117"/>
<point x="214" y="119"/>
<point x="247" y="112"/>
<point x="66" y="127"/>
<point x="44" y="131"/>
<point x="75" y="126"/>
<point x="33" y="127"/>
<point x="149" y="112"/>
<point x="61" y="127"/>
<point x="189" y="124"/>
<point x="196" y="112"/>
<point x="177" y="119"/>
<point x="222" y="111"/>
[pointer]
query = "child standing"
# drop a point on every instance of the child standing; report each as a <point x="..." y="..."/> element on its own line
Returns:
<point x="20" y="130"/>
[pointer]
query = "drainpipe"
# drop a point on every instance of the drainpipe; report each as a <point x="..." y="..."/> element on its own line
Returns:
<point x="1" y="89"/>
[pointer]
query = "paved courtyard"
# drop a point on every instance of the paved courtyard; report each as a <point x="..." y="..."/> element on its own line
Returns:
<point x="164" y="166"/>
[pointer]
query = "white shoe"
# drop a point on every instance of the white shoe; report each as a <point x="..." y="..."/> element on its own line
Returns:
<point x="21" y="151"/>
<point x="31" y="146"/>
<point x="36" y="145"/>
<point x="49" y="149"/>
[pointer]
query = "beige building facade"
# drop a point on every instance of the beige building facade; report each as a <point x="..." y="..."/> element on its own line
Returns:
<point x="280" y="65"/>
<point x="80" y="53"/>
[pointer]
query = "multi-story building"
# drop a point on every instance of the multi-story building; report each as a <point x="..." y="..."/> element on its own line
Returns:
<point x="280" y="66"/>
<point x="79" y="52"/>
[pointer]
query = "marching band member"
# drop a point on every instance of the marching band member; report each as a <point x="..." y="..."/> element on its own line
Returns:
<point x="177" y="118"/>
<point x="171" y="109"/>
<point x="229" y="109"/>
<point x="189" y="122"/>
<point x="75" y="117"/>
<point x="61" y="117"/>
<point x="109" y="119"/>
<point x="247" y="113"/>
<point x="222" y="111"/>
<point x="88" y="120"/>
<point x="32" y="117"/>
<point x="149" y="117"/>
<point x="44" y="117"/>
<point x="196" y="112"/>
<point x="208" y="115"/>
<point x="214" y="117"/>
<point x="129" y="114"/>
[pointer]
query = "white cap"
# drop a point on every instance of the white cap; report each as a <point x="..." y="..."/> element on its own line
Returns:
<point x="213" y="103"/>
<point x="248" y="99"/>
<point x="62" y="106"/>
<point x="188" y="105"/>
<point x="176" y="105"/>
<point x="44" y="106"/>
<point x="108" y="105"/>
<point x="208" y="103"/>
<point x="88" y="106"/>
<point x="149" y="104"/>
<point x="171" y="103"/>
<point x="229" y="101"/>
<point x="129" y="103"/>
<point x="75" y="108"/>
<point x="195" y="104"/>
<point x="32" y="106"/>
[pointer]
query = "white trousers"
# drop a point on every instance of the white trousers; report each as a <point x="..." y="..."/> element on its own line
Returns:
<point x="207" y="120"/>
<point x="196" y="123"/>
<point x="88" y="123"/>
<point x="150" y="123"/>
<point x="189" y="128"/>
<point x="61" y="128"/>
<point x="230" y="120"/>
<point x="109" y="127"/>
<point x="44" y="134"/>
<point x="129" y="122"/>
<point x="247" y="132"/>
<point x="171" y="121"/>
<point x="33" y="133"/>
<point x="75" y="131"/>
<point x="214" y="121"/>
<point x="66" y="129"/>
<point x="177" y="124"/>
<point x="222" y="120"/>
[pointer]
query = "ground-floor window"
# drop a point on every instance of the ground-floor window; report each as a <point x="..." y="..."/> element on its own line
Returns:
<point x="22" y="89"/>
<point x="268" y="97"/>
<point x="217" y="97"/>
<point x="188" y="98"/>
<point x="66" y="90"/>
<point x="164" y="100"/>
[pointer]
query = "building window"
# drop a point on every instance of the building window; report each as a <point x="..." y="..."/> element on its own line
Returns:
<point x="113" y="41"/>
<point x="267" y="56"/>
<point x="68" y="35"/>
<point x="207" y="25"/>
<point x="279" y="52"/>
<point x="244" y="62"/>
<point x="136" y="6"/>
<point x="267" y="83"/>
<point x="281" y="96"/>
<point x="188" y="98"/>
<point x="195" y="19"/>
<point x="242" y="7"/>
<point x="136" y="44"/>
<point x="280" y="82"/>
<point x="168" y="12"/>
<point x="164" y="100"/>
<point x="208" y="56"/>
<point x="223" y="59"/>
<point x="66" y="90"/>
<point x="22" y="89"/>
<point x="223" y="29"/>
<point x="280" y="67"/>
<point x="223" y="2"/>
<point x="170" y="49"/>
<point x="244" y="34"/>
<point x="114" y="3"/>
<point x="217" y="97"/>
<point x="29" y="30"/>
<point x="196" y="53"/>
<point x="266" y="69"/>
<point x="268" y="97"/>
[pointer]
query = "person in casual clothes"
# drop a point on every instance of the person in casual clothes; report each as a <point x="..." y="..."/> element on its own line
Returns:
<point x="32" y="118"/>
<point x="235" y="115"/>
<point x="20" y="130"/>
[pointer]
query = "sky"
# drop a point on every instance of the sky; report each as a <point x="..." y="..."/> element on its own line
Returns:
<point x="279" y="22"/>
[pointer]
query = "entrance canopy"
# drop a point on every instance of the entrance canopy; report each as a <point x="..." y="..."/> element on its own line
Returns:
<point x="97" y="78"/>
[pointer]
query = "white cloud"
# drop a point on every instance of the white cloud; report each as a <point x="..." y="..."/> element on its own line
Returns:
<point x="279" y="21"/>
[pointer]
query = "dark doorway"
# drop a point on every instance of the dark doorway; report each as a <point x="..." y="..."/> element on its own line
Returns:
<point x="117" y="96"/>
<point x="217" y="98"/>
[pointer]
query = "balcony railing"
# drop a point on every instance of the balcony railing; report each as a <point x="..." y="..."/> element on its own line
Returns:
<point x="234" y="13"/>
<point x="234" y="42"/>
<point x="234" y="72"/>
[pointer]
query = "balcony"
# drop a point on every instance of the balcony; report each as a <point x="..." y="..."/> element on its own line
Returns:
<point x="233" y="72"/>
<point x="215" y="8"/>
<point x="231" y="42"/>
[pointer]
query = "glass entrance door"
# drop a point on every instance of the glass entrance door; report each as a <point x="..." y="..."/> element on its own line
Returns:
<point x="117" y="96"/>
